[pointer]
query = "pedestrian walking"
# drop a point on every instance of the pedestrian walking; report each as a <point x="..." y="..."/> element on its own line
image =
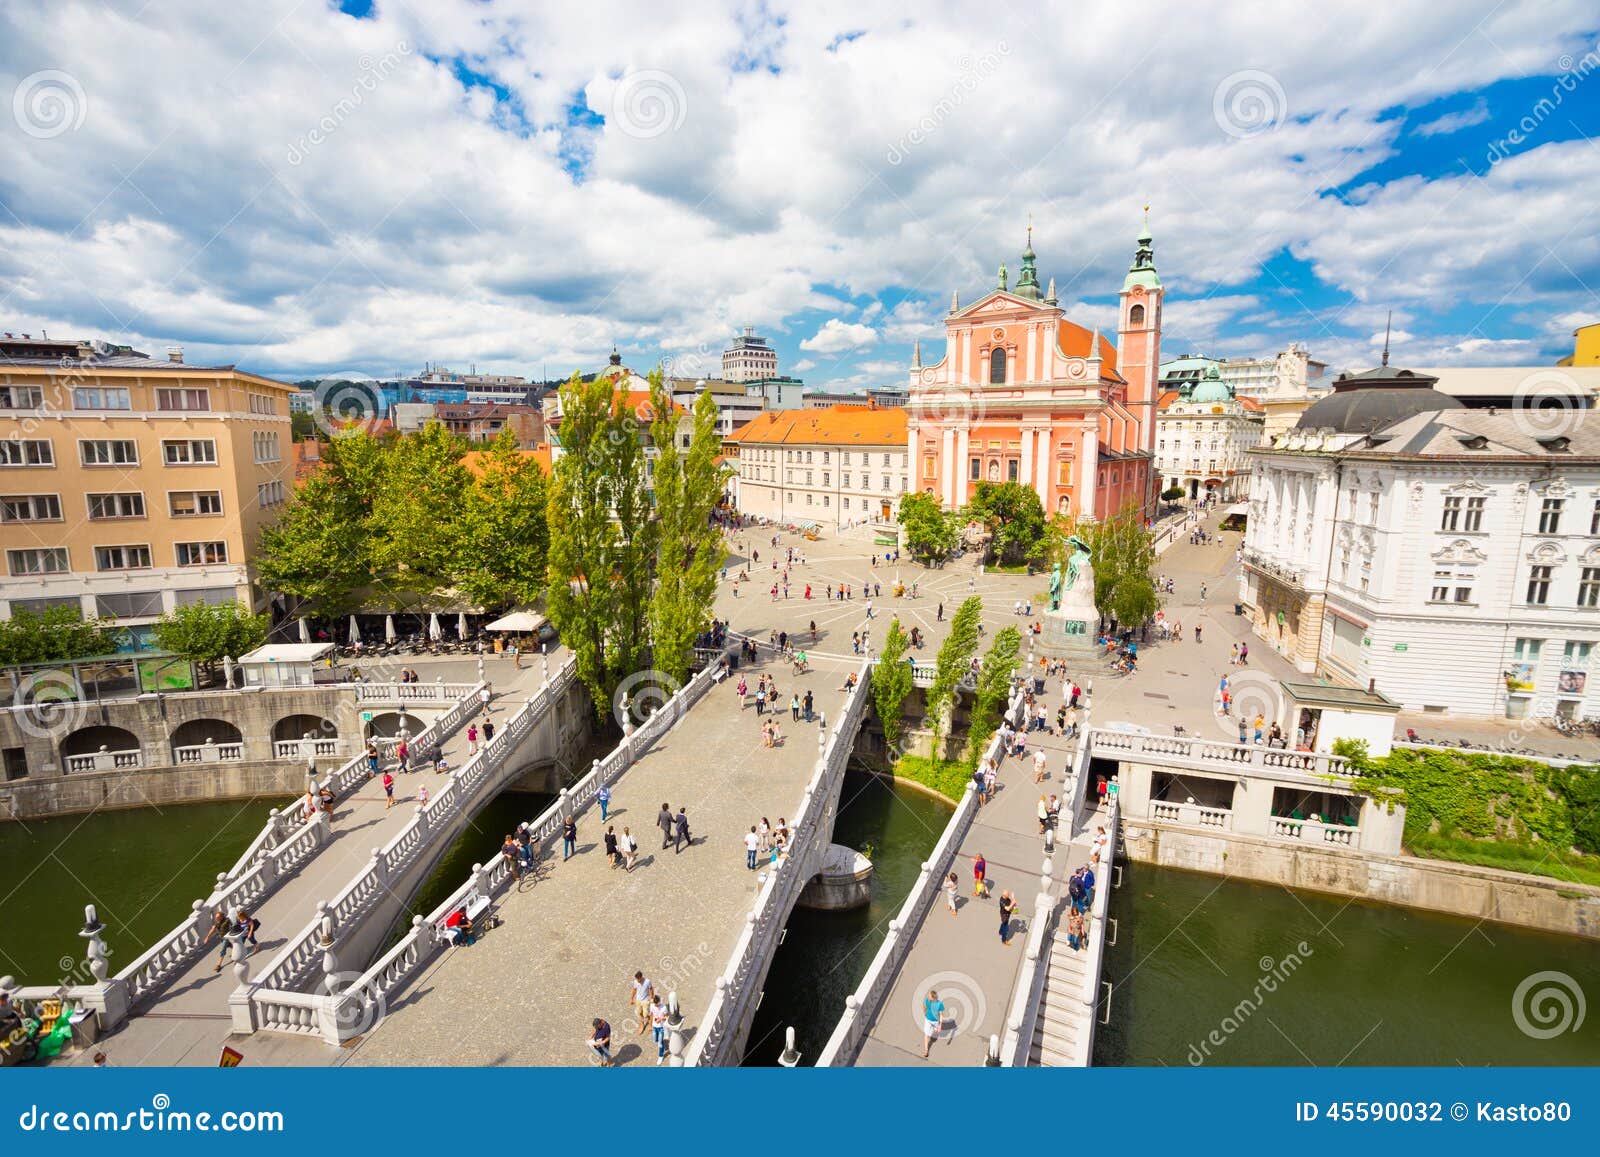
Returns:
<point x="485" y="697"/>
<point x="640" y="992"/>
<point x="372" y="760"/>
<point x="611" y="844"/>
<point x="488" y="732"/>
<point x="980" y="878"/>
<point x="629" y="847"/>
<point x="1233" y="655"/>
<point x="869" y="608"/>
<point x="932" y="1020"/>
<point x="807" y="706"/>
<point x="950" y="890"/>
<point x="603" y="798"/>
<point x="1008" y="907"/>
<point x="422" y="795"/>
<point x="665" y="822"/>
<point x="1041" y="764"/>
<point x="472" y="739"/>
<point x="569" y="837"/>
<point x="658" y="1026"/>
<point x="402" y="754"/>
<point x="680" y="834"/>
<point x="752" y="844"/>
<point x="794" y="707"/>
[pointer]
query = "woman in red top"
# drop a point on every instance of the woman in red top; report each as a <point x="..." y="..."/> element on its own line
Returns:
<point x="980" y="874"/>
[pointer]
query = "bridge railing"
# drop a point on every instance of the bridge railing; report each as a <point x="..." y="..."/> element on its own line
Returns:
<point x="861" y="1008"/>
<point x="1028" y="994"/>
<point x="1088" y="1015"/>
<point x="1110" y="744"/>
<point x="736" y="993"/>
<point x="355" y="1007"/>
<point x="300" y="958"/>
<point x="411" y="692"/>
<point x="275" y="853"/>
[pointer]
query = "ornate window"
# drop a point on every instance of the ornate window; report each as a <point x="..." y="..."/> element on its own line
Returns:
<point x="1136" y="315"/>
<point x="997" y="366"/>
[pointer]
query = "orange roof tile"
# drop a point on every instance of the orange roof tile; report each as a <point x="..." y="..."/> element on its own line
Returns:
<point x="1074" y="342"/>
<point x="1250" y="403"/>
<point x="473" y="459"/>
<point x="833" y="426"/>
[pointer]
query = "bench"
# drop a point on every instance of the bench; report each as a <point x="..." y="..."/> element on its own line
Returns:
<point x="477" y="910"/>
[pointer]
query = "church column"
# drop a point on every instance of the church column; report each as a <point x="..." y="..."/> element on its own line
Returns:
<point x="1033" y="353"/>
<point x="1089" y="462"/>
<point x="1025" y="475"/>
<point x="959" y="478"/>
<point x="1041" y="468"/>
<point x="948" y="468"/>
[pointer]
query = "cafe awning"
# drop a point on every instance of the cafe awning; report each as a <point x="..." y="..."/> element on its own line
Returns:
<point x="518" y="622"/>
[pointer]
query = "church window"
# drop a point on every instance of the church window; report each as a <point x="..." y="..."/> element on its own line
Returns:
<point x="928" y="468"/>
<point x="997" y="367"/>
<point x="1136" y="315"/>
<point x="976" y="469"/>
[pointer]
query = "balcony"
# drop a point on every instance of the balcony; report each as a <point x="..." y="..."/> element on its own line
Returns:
<point x="1192" y="815"/>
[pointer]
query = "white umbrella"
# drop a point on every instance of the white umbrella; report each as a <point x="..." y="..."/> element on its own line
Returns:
<point x="461" y="625"/>
<point x="305" y="632"/>
<point x="355" y="631"/>
<point x="435" y="632"/>
<point x="388" y="629"/>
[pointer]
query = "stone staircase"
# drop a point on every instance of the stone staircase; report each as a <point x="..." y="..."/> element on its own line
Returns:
<point x="1061" y="1017"/>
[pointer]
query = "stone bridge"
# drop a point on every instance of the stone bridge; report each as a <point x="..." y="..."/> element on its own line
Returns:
<point x="343" y="876"/>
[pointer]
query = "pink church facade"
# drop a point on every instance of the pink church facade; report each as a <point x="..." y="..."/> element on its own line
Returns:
<point x="1024" y="395"/>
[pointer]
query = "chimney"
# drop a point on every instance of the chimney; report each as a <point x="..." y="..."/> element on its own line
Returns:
<point x="175" y="354"/>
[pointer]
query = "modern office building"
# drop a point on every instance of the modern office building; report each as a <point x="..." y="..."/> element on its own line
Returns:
<point x="130" y="484"/>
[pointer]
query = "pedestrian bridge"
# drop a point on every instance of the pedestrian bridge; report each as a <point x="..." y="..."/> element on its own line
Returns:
<point x="323" y="887"/>
<point x="569" y="937"/>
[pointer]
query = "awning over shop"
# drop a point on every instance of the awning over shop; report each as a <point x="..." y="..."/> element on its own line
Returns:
<point x="518" y="622"/>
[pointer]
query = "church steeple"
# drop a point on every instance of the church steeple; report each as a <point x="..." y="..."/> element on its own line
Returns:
<point x="916" y="354"/>
<point x="1028" y="279"/>
<point x="1003" y="275"/>
<point x="1143" y="270"/>
<point x="955" y="301"/>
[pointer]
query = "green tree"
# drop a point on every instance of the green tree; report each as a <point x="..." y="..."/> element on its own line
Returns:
<point x="690" y="551"/>
<point x="931" y="532"/>
<point x="55" y="635"/>
<point x="1123" y="556"/>
<point x="601" y="537"/>
<point x="1172" y="493"/>
<point x="507" y="539"/>
<point x="417" y="535"/>
<point x="204" y="632"/>
<point x="993" y="690"/>
<point x="891" y="683"/>
<point x="952" y="667"/>
<point x="1015" y="518"/>
<point x="319" y="551"/>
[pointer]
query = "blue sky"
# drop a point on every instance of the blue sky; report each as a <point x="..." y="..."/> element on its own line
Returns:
<point x="323" y="188"/>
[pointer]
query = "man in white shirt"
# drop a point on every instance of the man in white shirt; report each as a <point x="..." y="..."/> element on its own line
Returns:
<point x="640" y="989"/>
<point x="1040" y="766"/>
<point x="751" y="843"/>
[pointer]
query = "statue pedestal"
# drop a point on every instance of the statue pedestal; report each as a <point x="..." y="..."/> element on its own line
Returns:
<point x="1070" y="630"/>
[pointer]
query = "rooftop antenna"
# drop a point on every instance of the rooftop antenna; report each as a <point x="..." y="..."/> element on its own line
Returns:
<point x="1386" y="325"/>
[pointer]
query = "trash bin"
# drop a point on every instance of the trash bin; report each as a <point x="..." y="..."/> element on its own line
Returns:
<point x="1238" y="608"/>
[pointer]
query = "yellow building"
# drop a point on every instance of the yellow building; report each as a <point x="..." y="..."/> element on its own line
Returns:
<point x="1585" y="346"/>
<point x="130" y="485"/>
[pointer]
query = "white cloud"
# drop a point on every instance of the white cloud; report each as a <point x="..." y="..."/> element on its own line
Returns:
<point x="435" y="221"/>
<point x="837" y="337"/>
<point x="1454" y="122"/>
<point x="802" y="366"/>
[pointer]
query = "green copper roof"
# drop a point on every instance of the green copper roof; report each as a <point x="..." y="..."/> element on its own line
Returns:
<point x="1143" y="270"/>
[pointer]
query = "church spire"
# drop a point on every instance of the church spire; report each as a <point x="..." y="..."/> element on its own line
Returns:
<point x="1050" y="294"/>
<point x="1388" y="322"/>
<point x="1028" y="278"/>
<point x="916" y="354"/>
<point x="955" y="301"/>
<point x="1143" y="270"/>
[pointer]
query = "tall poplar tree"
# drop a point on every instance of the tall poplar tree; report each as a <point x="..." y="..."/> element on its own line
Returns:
<point x="951" y="667"/>
<point x="891" y="683"/>
<point x="688" y="483"/>
<point x="507" y="538"/>
<point x="994" y="689"/>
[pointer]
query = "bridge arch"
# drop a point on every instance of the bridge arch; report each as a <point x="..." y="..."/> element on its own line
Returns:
<point x="89" y="741"/>
<point x="197" y="732"/>
<point x="387" y="724"/>
<point x="297" y="726"/>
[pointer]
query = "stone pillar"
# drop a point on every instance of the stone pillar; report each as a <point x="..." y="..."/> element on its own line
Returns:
<point x="675" y="1041"/>
<point x="1088" y="468"/>
<point x="963" y="465"/>
<point x="790" y="1057"/>
<point x="1041" y="469"/>
<point x="947" y="467"/>
<point x="1025" y="474"/>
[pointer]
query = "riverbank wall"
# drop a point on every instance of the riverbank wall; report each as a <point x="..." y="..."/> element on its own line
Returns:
<point x="1433" y="885"/>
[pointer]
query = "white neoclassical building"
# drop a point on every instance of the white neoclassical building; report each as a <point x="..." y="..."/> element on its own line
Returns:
<point x="1448" y="556"/>
<point x="840" y="467"/>
<point x="1202" y="434"/>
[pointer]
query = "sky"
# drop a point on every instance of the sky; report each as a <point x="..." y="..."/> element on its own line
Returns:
<point x="313" y="190"/>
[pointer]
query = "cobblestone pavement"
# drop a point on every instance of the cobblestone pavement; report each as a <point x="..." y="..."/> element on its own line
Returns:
<point x="571" y="940"/>
<point x="190" y="1022"/>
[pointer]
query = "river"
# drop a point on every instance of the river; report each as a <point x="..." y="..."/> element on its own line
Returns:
<point x="142" y="870"/>
<point x="825" y="954"/>
<point x="1212" y="971"/>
